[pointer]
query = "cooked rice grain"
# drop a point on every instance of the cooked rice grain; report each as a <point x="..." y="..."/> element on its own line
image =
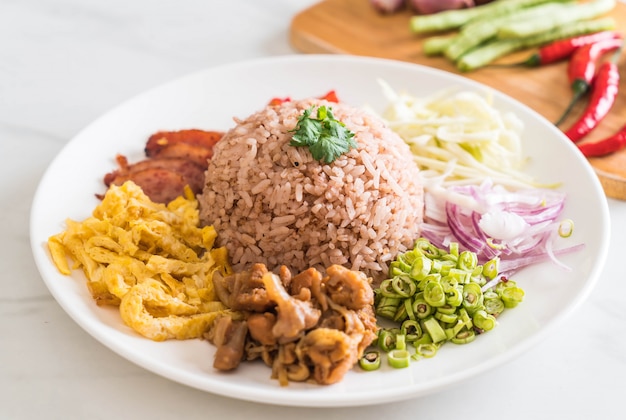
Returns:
<point x="273" y="203"/>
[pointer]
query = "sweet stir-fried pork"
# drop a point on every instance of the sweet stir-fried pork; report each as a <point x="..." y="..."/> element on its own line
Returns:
<point x="294" y="316"/>
<point x="230" y="337"/>
<point x="306" y="327"/>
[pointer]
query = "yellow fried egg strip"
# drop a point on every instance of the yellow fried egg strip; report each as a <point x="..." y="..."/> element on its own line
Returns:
<point x="152" y="260"/>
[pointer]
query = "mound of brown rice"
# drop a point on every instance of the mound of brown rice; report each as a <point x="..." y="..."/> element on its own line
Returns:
<point x="272" y="203"/>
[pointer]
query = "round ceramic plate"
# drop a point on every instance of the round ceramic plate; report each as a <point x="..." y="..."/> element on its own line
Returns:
<point x="209" y="100"/>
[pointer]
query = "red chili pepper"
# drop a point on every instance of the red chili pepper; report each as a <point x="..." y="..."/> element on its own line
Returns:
<point x="605" y="146"/>
<point x="564" y="48"/>
<point x="582" y="69"/>
<point x="603" y="94"/>
<point x="331" y="96"/>
<point x="278" y="101"/>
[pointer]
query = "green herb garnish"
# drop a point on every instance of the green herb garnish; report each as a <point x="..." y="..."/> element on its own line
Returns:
<point x="326" y="137"/>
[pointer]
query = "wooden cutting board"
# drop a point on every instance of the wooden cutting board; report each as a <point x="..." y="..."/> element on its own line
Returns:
<point x="354" y="27"/>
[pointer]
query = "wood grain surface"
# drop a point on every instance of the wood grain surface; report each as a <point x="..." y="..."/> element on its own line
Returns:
<point x="353" y="27"/>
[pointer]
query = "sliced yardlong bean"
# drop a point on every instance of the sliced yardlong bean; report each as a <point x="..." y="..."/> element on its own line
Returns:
<point x="568" y="15"/>
<point x="453" y="19"/>
<point x="490" y="51"/>
<point x="440" y="295"/>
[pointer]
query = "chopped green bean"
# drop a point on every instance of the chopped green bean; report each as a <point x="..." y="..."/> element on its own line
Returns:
<point x="399" y="359"/>
<point x="468" y="261"/>
<point x="386" y="289"/>
<point x="454" y="297"/>
<point x="453" y="19"/>
<point x="464" y="316"/>
<point x="424" y="339"/>
<point x="460" y="275"/>
<point x="445" y="318"/>
<point x="386" y="340"/>
<point x="421" y="268"/>
<point x="566" y="228"/>
<point x="408" y="310"/>
<point x="494" y="305"/>
<point x="403" y="286"/>
<point x="387" y="306"/>
<point x="504" y="284"/>
<point x="370" y="360"/>
<point x="426" y="248"/>
<point x="447" y="309"/>
<point x="401" y="312"/>
<point x="400" y="342"/>
<point x="452" y="332"/>
<point x="453" y="249"/>
<point x="490" y="268"/>
<point x="449" y="283"/>
<point x="464" y="337"/>
<point x="426" y="349"/>
<point x="405" y="261"/>
<point x="432" y="277"/>
<point x="512" y="296"/>
<point x="472" y="297"/>
<point x="446" y="265"/>
<point x="436" y="295"/>
<point x="484" y="321"/>
<point x="411" y="330"/>
<point x="434" y="329"/>
<point x="421" y="308"/>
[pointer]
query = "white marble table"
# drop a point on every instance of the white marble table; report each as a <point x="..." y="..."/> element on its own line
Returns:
<point x="65" y="62"/>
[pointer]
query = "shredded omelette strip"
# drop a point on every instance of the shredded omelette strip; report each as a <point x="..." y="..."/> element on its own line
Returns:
<point x="152" y="260"/>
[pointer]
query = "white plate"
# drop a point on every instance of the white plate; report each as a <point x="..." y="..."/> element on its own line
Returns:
<point x="209" y="99"/>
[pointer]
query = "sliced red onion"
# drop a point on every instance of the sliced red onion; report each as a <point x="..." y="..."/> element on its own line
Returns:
<point x="522" y="231"/>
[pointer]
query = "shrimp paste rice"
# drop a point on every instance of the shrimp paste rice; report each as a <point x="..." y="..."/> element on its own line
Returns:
<point x="273" y="203"/>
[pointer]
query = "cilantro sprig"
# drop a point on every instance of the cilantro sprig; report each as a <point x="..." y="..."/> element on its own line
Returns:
<point x="326" y="137"/>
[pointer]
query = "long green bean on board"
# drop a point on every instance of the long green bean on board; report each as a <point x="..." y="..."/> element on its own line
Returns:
<point x="570" y="14"/>
<point x="481" y="30"/>
<point x="491" y="51"/>
<point x="454" y="19"/>
<point x="437" y="45"/>
<point x="477" y="36"/>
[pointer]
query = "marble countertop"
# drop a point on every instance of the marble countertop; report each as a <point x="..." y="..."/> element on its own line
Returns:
<point x="63" y="63"/>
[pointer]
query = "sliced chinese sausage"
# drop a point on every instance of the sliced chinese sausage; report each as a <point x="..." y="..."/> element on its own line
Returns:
<point x="193" y="137"/>
<point x="161" y="185"/>
<point x="174" y="159"/>
<point x="196" y="154"/>
<point x="192" y="173"/>
<point x="123" y="171"/>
